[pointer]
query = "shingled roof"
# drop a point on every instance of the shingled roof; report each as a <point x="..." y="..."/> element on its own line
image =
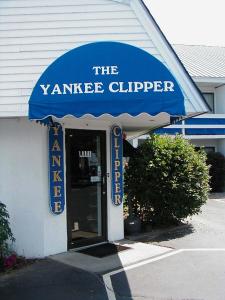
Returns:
<point x="202" y="61"/>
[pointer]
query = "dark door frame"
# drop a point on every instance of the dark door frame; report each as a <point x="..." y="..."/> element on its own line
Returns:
<point x="103" y="238"/>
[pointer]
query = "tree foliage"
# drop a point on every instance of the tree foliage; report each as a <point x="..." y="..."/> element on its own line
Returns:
<point x="5" y="231"/>
<point x="168" y="180"/>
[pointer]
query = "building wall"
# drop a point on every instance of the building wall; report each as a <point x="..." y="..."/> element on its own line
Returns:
<point x="215" y="136"/>
<point x="220" y="99"/>
<point x="205" y="143"/>
<point x="25" y="191"/>
<point x="24" y="183"/>
<point x="34" y="33"/>
<point x="219" y="103"/>
<point x="221" y="146"/>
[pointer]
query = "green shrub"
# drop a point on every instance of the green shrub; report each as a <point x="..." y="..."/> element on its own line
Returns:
<point x="168" y="181"/>
<point x="216" y="161"/>
<point x="5" y="233"/>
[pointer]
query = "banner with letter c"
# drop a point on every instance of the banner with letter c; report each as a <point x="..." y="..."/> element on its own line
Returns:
<point x="117" y="165"/>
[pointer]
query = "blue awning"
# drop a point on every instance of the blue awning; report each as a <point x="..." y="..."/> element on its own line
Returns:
<point x="106" y="78"/>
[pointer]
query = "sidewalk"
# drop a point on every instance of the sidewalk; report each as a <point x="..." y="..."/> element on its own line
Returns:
<point x="138" y="252"/>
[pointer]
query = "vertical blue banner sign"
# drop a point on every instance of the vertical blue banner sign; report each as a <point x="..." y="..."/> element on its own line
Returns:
<point x="117" y="165"/>
<point x="56" y="169"/>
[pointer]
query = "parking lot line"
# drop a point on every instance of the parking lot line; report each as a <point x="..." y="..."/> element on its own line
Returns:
<point x="107" y="277"/>
<point x="219" y="200"/>
<point x="203" y="249"/>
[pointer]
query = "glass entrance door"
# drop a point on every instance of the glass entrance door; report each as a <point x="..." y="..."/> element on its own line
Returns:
<point x="86" y="187"/>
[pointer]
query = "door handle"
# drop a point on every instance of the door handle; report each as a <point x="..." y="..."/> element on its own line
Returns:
<point x="103" y="183"/>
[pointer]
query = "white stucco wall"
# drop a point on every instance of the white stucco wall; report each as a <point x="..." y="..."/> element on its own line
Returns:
<point x="24" y="189"/>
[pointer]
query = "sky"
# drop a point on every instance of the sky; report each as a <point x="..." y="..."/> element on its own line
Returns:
<point x="191" y="22"/>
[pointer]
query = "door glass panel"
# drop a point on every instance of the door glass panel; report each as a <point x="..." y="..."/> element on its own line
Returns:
<point x="86" y="175"/>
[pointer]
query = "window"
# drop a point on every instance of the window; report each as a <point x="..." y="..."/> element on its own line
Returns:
<point x="207" y="149"/>
<point x="141" y="141"/>
<point x="209" y="98"/>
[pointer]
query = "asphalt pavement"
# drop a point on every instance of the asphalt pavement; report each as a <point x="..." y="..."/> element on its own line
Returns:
<point x="192" y="269"/>
<point x="184" y="275"/>
<point x="50" y="280"/>
<point x="206" y="230"/>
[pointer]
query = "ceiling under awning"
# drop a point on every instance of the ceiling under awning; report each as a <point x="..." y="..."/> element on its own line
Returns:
<point x="108" y="81"/>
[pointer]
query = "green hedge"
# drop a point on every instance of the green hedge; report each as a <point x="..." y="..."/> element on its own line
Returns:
<point x="168" y="180"/>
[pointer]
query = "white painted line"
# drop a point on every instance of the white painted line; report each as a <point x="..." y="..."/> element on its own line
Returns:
<point x="204" y="249"/>
<point x="145" y="262"/>
<point x="219" y="200"/>
<point x="107" y="277"/>
<point x="109" y="288"/>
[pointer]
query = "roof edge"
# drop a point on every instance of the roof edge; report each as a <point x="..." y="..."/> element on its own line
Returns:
<point x="189" y="86"/>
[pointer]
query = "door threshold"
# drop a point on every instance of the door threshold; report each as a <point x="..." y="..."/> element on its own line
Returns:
<point x="86" y="247"/>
